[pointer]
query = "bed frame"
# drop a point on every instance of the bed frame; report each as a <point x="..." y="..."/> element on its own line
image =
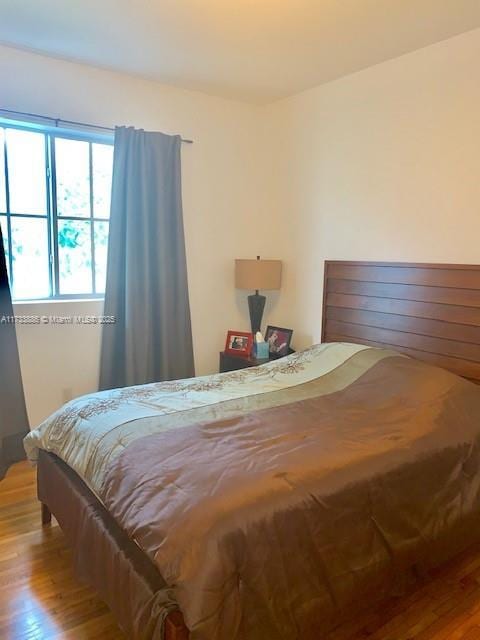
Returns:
<point x="103" y="555"/>
<point x="428" y="311"/>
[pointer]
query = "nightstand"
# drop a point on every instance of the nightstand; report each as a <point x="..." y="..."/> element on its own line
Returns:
<point x="232" y="363"/>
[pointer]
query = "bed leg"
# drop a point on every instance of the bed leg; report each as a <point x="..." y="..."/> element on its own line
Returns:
<point x="46" y="515"/>
<point x="175" y="628"/>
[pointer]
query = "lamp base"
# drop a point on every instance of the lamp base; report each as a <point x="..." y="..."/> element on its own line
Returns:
<point x="256" y="305"/>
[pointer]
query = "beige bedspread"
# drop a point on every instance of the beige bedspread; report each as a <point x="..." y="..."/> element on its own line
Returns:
<point x="269" y="514"/>
<point x="91" y="431"/>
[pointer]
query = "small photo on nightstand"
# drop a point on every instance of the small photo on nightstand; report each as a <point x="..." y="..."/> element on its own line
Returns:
<point x="279" y="340"/>
<point x="239" y="343"/>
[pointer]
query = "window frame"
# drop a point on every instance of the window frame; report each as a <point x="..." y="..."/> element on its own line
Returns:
<point x="50" y="134"/>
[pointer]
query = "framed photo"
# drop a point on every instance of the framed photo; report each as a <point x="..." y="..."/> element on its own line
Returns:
<point x="278" y="339"/>
<point x="239" y="343"/>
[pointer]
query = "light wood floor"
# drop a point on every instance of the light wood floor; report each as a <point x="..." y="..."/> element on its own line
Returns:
<point x="40" y="598"/>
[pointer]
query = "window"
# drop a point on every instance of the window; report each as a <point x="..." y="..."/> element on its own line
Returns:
<point x="54" y="210"/>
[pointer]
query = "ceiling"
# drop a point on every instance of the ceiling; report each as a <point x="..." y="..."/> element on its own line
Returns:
<point x="254" y="50"/>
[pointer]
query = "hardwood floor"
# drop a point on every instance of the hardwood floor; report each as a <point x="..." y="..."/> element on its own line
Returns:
<point x="40" y="598"/>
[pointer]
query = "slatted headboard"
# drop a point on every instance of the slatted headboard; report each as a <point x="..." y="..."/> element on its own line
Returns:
<point x="428" y="311"/>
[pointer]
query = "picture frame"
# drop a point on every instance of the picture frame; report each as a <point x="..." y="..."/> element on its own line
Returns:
<point x="278" y="339"/>
<point x="239" y="343"/>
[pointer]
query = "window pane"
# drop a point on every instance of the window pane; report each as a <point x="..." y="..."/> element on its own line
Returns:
<point x="101" y="248"/>
<point x="3" y="224"/>
<point x="73" y="177"/>
<point x="3" y="196"/>
<point x="26" y="172"/>
<point x="74" y="256"/>
<point x="102" y="160"/>
<point x="30" y="258"/>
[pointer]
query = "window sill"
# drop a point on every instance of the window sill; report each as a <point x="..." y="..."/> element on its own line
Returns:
<point x="20" y="303"/>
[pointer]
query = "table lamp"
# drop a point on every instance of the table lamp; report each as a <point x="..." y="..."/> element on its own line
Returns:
<point x="257" y="274"/>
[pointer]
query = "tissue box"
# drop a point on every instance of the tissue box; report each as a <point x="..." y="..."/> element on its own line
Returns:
<point x="261" y="350"/>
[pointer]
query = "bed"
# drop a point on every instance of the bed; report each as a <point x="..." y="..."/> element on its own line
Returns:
<point x="281" y="533"/>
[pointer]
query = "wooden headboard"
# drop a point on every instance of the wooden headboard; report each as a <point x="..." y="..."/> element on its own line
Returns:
<point x="428" y="311"/>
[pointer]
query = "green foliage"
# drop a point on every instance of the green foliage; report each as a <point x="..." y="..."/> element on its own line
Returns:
<point x="69" y="236"/>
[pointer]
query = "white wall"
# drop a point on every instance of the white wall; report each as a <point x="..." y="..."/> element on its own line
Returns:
<point x="59" y="361"/>
<point x="222" y="195"/>
<point x="380" y="165"/>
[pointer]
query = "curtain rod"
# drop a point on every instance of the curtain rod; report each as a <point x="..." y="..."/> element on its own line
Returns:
<point x="57" y="121"/>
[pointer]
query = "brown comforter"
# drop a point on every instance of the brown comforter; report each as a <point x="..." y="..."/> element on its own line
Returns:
<point x="271" y="524"/>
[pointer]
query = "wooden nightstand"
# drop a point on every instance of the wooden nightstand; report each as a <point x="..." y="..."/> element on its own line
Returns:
<point x="232" y="363"/>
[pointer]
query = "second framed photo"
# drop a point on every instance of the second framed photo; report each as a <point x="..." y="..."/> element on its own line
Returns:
<point x="278" y="339"/>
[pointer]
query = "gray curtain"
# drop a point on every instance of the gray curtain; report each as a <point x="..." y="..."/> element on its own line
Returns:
<point x="147" y="290"/>
<point x="13" y="414"/>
